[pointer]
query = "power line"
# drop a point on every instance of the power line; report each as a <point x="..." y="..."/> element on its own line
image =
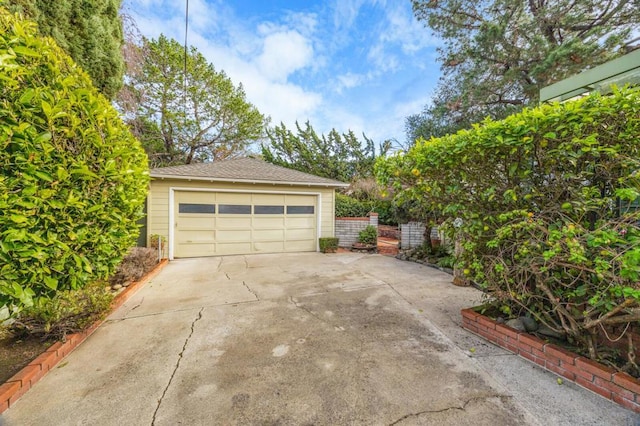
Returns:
<point x="186" y="34"/>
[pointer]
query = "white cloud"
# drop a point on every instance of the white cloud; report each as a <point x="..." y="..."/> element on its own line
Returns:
<point x="345" y="12"/>
<point x="283" y="53"/>
<point x="349" y="81"/>
<point x="384" y="61"/>
<point x="407" y="31"/>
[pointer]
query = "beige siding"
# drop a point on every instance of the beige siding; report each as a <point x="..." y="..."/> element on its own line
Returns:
<point x="158" y="211"/>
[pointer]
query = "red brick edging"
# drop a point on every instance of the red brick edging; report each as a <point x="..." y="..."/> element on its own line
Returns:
<point x="615" y="386"/>
<point x="23" y="380"/>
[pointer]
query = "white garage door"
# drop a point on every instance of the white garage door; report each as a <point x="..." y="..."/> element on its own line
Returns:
<point x="223" y="223"/>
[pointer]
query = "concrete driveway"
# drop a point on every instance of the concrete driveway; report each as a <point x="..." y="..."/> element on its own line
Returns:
<point x="300" y="339"/>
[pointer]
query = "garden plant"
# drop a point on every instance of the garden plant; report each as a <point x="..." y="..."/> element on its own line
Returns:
<point x="547" y="206"/>
<point x="72" y="177"/>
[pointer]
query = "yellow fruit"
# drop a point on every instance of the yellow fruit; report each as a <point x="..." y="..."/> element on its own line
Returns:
<point x="466" y="271"/>
<point x="472" y="350"/>
<point x="560" y="381"/>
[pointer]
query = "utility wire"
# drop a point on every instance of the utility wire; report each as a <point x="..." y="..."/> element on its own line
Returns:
<point x="184" y="80"/>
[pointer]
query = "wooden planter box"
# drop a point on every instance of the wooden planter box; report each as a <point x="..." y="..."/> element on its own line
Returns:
<point x="615" y="386"/>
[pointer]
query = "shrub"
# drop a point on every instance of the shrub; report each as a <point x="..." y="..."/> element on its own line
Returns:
<point x="138" y="262"/>
<point x="368" y="235"/>
<point x="328" y="244"/>
<point x="67" y="312"/>
<point x="156" y="240"/>
<point x="550" y="228"/>
<point x="347" y="206"/>
<point x="72" y="178"/>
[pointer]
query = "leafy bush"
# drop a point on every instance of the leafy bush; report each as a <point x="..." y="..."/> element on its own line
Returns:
<point x="347" y="206"/>
<point x="387" y="212"/>
<point x="156" y="240"/>
<point x="69" y="311"/>
<point x="72" y="178"/>
<point x="368" y="235"/>
<point x="550" y="228"/>
<point x="138" y="262"/>
<point x="328" y="244"/>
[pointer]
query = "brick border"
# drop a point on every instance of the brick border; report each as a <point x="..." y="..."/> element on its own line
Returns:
<point x="23" y="380"/>
<point x="620" y="388"/>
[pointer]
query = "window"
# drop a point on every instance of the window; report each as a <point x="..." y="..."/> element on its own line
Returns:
<point x="197" y="208"/>
<point x="300" y="209"/>
<point x="268" y="209"/>
<point x="234" y="209"/>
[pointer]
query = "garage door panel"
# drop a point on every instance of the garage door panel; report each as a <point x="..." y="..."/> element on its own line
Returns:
<point x="268" y="235"/>
<point x="268" y="199"/>
<point x="233" y="198"/>
<point x="272" y="222"/>
<point x="234" y="222"/>
<point x="268" y="247"/>
<point x="195" y="250"/>
<point x="299" y="234"/>
<point x="223" y="236"/>
<point x="301" y="222"/>
<point x="195" y="236"/>
<point x="198" y="223"/>
<point x="232" y="248"/>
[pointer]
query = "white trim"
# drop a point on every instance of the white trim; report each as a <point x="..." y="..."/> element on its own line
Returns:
<point x="172" y="224"/>
<point x="173" y="189"/>
<point x="254" y="182"/>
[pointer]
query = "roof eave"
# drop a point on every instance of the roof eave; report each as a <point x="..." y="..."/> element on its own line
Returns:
<point x="249" y="181"/>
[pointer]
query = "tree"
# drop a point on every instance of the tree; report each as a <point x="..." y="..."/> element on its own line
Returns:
<point x="73" y="180"/>
<point x="90" y="31"/>
<point x="336" y="156"/>
<point x="498" y="54"/>
<point x="188" y="115"/>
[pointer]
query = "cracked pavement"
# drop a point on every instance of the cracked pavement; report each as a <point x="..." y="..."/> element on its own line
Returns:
<point x="303" y="338"/>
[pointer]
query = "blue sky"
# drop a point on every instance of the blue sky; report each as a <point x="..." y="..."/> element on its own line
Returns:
<point x="362" y="65"/>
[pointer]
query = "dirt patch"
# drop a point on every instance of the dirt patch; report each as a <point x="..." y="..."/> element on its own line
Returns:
<point x="16" y="353"/>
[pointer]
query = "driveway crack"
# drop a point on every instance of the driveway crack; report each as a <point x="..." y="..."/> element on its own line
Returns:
<point x="175" y="369"/>
<point x="462" y="407"/>
<point x="250" y="291"/>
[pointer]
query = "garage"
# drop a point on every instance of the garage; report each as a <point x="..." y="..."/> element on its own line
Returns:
<point x="241" y="206"/>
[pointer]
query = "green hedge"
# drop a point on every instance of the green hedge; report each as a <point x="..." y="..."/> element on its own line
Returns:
<point x="351" y="207"/>
<point x="73" y="179"/>
<point x="347" y="206"/>
<point x="543" y="199"/>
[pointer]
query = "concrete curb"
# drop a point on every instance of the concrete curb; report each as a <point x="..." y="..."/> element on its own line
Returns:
<point x="618" y="387"/>
<point x="23" y="380"/>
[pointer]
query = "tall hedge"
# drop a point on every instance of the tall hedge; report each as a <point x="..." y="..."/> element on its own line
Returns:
<point x="90" y="31"/>
<point x="72" y="178"/>
<point x="546" y="203"/>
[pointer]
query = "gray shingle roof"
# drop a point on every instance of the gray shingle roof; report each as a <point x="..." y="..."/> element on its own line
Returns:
<point x="243" y="170"/>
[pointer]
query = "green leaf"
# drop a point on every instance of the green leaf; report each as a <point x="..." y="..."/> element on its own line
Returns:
<point x="50" y="282"/>
<point x="25" y="51"/>
<point x="18" y="218"/>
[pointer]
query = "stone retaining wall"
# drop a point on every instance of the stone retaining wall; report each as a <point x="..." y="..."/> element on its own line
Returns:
<point x="348" y="228"/>
<point x="411" y="235"/>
